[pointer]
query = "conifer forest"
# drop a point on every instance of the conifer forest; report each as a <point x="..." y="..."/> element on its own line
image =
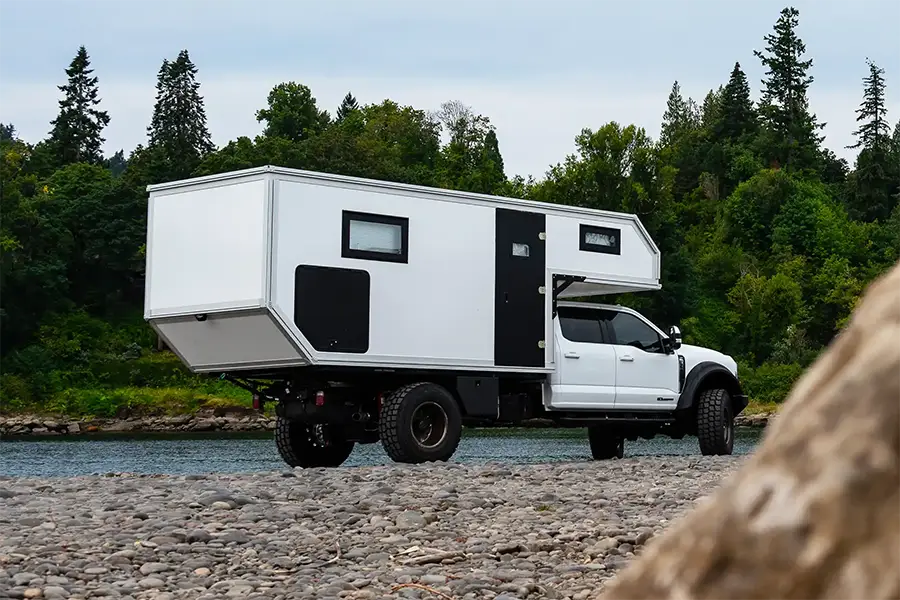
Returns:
<point x="767" y="237"/>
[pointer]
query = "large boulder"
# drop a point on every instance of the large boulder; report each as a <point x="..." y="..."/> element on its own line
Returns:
<point x="815" y="511"/>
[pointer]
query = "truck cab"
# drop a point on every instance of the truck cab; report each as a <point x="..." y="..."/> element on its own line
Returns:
<point x="613" y="359"/>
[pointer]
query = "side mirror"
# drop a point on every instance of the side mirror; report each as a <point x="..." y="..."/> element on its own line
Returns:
<point x="675" y="336"/>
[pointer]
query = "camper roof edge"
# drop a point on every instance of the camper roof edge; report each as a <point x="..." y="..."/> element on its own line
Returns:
<point x="405" y="187"/>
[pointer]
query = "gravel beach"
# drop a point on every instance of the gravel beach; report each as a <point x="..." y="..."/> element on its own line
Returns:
<point x="425" y="531"/>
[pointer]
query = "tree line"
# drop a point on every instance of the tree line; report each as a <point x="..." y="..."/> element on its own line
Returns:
<point x="767" y="237"/>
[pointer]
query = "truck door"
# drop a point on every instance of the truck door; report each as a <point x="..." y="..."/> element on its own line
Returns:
<point x="646" y="377"/>
<point x="519" y="305"/>
<point x="585" y="376"/>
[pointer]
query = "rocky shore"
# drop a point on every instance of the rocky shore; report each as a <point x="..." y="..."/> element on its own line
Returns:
<point x="204" y="420"/>
<point x="234" y="420"/>
<point x="398" y="531"/>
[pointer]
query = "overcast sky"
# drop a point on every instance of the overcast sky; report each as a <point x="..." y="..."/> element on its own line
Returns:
<point x="541" y="70"/>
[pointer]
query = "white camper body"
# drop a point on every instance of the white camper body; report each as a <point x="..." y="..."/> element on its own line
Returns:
<point x="272" y="268"/>
<point x="368" y="310"/>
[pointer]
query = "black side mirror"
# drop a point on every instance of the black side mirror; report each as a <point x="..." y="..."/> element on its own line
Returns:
<point x="675" y="336"/>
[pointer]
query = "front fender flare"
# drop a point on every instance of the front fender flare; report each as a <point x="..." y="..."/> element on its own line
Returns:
<point x="705" y="373"/>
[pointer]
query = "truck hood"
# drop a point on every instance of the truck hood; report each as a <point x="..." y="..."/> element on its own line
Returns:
<point x="693" y="355"/>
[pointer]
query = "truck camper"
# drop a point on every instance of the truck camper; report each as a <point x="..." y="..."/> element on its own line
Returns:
<point x="370" y="311"/>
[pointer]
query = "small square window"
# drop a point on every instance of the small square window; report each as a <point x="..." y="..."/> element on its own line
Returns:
<point x="605" y="240"/>
<point x="521" y="250"/>
<point x="375" y="237"/>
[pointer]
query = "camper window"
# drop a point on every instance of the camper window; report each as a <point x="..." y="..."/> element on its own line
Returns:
<point x="375" y="237"/>
<point x="605" y="240"/>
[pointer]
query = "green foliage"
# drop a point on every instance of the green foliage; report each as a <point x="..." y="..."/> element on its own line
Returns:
<point x="471" y="161"/>
<point x="784" y="105"/>
<point x="769" y="383"/>
<point x="177" y="130"/>
<point x="292" y="113"/>
<point x="85" y="366"/>
<point x="76" y="134"/>
<point x="750" y="212"/>
<point x="767" y="238"/>
<point x="348" y="105"/>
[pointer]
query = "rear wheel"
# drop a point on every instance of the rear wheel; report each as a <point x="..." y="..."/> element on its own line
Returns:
<point x="306" y="445"/>
<point x="715" y="422"/>
<point x="604" y="445"/>
<point x="420" y="422"/>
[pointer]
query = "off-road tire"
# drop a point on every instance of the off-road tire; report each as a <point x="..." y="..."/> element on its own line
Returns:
<point x="715" y="422"/>
<point x="395" y="423"/>
<point x="604" y="445"/>
<point x="298" y="447"/>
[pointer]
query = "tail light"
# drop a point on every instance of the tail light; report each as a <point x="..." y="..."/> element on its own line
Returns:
<point x="320" y="398"/>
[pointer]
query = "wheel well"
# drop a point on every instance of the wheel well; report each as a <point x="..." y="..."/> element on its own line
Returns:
<point x="718" y="380"/>
<point x="702" y="377"/>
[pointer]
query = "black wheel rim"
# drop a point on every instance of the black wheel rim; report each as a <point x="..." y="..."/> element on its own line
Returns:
<point x="317" y="436"/>
<point x="429" y="424"/>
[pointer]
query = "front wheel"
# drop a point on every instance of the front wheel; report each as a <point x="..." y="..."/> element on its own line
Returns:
<point x="306" y="445"/>
<point x="715" y="422"/>
<point x="604" y="445"/>
<point x="420" y="422"/>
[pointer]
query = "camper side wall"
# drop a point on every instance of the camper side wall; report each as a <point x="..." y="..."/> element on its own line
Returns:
<point x="206" y="248"/>
<point x="370" y="277"/>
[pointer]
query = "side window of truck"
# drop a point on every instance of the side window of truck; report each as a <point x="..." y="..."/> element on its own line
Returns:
<point x="581" y="325"/>
<point x="631" y="331"/>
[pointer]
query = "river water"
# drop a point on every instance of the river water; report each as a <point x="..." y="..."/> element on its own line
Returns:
<point x="183" y="454"/>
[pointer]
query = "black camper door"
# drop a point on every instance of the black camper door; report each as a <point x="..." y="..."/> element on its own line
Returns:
<point x="519" y="304"/>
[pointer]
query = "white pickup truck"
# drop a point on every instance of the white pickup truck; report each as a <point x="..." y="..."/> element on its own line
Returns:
<point x="614" y="360"/>
<point x="372" y="311"/>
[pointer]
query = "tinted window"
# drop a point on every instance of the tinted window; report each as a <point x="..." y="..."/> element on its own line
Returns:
<point x="580" y="325"/>
<point x="631" y="331"/>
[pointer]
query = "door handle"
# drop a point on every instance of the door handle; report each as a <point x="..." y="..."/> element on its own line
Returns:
<point x="627" y="358"/>
<point x="572" y="355"/>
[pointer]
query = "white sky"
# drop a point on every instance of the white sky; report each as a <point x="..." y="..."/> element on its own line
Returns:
<point x="541" y="71"/>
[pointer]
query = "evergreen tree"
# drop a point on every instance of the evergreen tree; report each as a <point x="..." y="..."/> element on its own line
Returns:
<point x="491" y="164"/>
<point x="7" y="132"/>
<point x="711" y="108"/>
<point x="178" y="130"/>
<point x="895" y="143"/>
<point x="736" y="114"/>
<point x="877" y="173"/>
<point x="676" y="118"/>
<point x="784" y="105"/>
<point x="75" y="136"/>
<point x="117" y="163"/>
<point x="348" y="105"/>
<point x="875" y="129"/>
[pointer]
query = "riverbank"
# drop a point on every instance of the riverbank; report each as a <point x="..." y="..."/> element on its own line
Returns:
<point x="233" y="419"/>
<point x="465" y="531"/>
